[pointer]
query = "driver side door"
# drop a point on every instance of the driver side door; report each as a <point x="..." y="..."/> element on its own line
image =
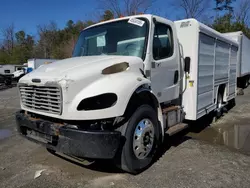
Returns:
<point x="165" y="64"/>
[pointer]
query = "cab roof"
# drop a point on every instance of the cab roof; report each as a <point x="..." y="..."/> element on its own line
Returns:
<point x="148" y="16"/>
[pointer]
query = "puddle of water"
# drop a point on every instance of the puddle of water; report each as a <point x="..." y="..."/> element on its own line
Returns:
<point x="236" y="136"/>
<point x="5" y="133"/>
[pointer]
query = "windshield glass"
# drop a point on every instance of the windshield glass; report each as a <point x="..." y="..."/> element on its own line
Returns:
<point x="126" y="37"/>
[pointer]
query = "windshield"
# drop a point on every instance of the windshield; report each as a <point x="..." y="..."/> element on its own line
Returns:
<point x="126" y="37"/>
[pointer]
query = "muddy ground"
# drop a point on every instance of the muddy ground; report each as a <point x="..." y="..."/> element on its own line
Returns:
<point x="202" y="156"/>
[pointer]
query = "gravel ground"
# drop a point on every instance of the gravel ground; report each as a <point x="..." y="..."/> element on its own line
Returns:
<point x="214" y="156"/>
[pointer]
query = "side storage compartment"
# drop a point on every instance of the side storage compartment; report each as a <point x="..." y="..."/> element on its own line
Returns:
<point x="245" y="56"/>
<point x="232" y="73"/>
<point x="213" y="68"/>
<point x="206" y="74"/>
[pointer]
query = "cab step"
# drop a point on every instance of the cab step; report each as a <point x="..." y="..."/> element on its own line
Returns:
<point x="176" y="128"/>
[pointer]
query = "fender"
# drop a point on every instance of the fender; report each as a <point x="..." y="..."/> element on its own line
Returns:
<point x="123" y="84"/>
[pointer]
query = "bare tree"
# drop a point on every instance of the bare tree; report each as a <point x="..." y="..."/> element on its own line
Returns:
<point x="9" y="38"/>
<point x="47" y="34"/>
<point x="125" y="7"/>
<point x="192" y="8"/>
<point x="137" y="6"/>
<point x="112" y="5"/>
<point x="242" y="13"/>
<point x="68" y="47"/>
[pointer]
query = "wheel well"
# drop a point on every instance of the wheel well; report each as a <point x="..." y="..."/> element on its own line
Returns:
<point x="142" y="97"/>
<point x="222" y="91"/>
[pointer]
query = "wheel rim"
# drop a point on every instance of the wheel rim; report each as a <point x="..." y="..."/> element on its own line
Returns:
<point x="143" y="139"/>
<point x="219" y="102"/>
<point x="246" y="84"/>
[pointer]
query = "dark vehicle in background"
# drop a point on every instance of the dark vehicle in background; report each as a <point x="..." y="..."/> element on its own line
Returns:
<point x="5" y="80"/>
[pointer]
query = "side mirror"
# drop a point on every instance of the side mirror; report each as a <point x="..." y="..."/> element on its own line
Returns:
<point x="187" y="64"/>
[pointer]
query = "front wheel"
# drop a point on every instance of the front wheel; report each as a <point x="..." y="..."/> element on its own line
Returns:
<point x="142" y="138"/>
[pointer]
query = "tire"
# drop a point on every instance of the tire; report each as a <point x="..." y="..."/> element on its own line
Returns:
<point x="231" y="103"/>
<point x="7" y="82"/>
<point x="51" y="151"/>
<point x="219" y="105"/>
<point x="246" y="82"/>
<point x="130" y="159"/>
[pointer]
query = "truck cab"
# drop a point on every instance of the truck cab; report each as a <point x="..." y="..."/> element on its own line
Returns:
<point x="117" y="96"/>
<point x="150" y="38"/>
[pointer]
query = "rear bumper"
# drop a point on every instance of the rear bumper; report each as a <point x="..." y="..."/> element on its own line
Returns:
<point x="73" y="142"/>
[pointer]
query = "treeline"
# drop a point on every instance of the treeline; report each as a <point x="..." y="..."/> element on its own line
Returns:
<point x="18" y="47"/>
<point x="52" y="42"/>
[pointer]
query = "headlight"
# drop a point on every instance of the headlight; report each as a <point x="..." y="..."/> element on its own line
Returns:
<point x="119" y="67"/>
<point x="98" y="102"/>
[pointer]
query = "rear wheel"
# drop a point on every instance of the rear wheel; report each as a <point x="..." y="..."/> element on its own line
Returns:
<point x="219" y="105"/>
<point x="142" y="138"/>
<point x="246" y="82"/>
<point x="51" y="151"/>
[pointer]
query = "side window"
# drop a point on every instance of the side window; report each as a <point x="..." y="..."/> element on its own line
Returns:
<point x="6" y="71"/>
<point x="163" y="42"/>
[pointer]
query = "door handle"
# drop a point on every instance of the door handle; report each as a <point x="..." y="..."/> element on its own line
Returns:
<point x="154" y="65"/>
<point x="176" y="76"/>
<point x="158" y="64"/>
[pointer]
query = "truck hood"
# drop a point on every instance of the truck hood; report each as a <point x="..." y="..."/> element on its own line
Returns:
<point x="79" y="67"/>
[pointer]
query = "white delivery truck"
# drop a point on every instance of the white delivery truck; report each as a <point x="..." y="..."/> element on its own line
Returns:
<point x="243" y="65"/>
<point x="35" y="63"/>
<point x="8" y="69"/>
<point x="19" y="73"/>
<point x="130" y="82"/>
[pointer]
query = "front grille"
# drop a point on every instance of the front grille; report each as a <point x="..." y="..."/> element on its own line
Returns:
<point x="41" y="98"/>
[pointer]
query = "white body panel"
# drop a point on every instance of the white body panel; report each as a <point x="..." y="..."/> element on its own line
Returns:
<point x="81" y="77"/>
<point x="243" y="65"/>
<point x="212" y="64"/>
<point x="35" y="63"/>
